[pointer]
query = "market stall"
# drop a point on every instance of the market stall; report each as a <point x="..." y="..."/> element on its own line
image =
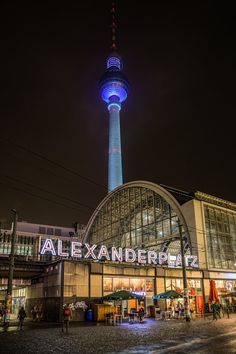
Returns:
<point x="126" y="303"/>
<point x="173" y="304"/>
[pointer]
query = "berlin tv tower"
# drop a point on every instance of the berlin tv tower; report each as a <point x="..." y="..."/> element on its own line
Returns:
<point x="114" y="89"/>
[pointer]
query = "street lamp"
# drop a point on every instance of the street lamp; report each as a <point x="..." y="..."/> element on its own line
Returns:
<point x="186" y="297"/>
<point x="12" y="254"/>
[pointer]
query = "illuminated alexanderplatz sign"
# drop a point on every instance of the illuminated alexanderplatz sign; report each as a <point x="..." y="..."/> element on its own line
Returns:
<point x="85" y="251"/>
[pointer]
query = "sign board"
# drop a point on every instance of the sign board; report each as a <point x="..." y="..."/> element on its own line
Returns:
<point x="94" y="252"/>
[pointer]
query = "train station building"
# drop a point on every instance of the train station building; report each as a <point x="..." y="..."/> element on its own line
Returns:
<point x="131" y="242"/>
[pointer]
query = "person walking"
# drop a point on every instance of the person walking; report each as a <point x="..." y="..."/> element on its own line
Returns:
<point x="21" y="317"/>
<point x="34" y="313"/>
<point x="1" y="312"/>
<point x="219" y="310"/>
<point x="181" y="311"/>
<point x="172" y="310"/>
<point x="141" y="314"/>
<point x="6" y="318"/>
<point x="227" y="310"/>
<point x="214" y="310"/>
<point x="66" y="318"/>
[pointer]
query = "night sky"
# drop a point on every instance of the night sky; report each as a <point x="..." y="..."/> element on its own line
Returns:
<point x="177" y="124"/>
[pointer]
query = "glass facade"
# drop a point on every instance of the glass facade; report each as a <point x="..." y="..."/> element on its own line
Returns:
<point x="194" y="285"/>
<point x="221" y="237"/>
<point x="137" y="217"/>
<point x="195" y="291"/>
<point x="25" y="245"/>
<point x="138" y="285"/>
<point x="225" y="286"/>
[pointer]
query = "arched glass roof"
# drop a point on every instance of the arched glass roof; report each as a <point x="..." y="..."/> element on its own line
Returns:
<point x="138" y="215"/>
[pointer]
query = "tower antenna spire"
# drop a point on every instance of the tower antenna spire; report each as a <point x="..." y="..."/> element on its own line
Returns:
<point x="113" y="27"/>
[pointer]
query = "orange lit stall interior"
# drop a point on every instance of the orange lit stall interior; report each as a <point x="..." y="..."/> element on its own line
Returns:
<point x="227" y="291"/>
<point x="195" y="293"/>
<point x="139" y="286"/>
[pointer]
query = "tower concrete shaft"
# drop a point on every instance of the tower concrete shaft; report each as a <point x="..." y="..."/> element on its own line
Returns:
<point x="115" y="178"/>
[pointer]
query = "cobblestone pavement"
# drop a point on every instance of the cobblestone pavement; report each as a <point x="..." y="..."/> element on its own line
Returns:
<point x="173" y="336"/>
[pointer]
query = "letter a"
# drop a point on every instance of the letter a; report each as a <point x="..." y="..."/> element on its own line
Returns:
<point x="48" y="247"/>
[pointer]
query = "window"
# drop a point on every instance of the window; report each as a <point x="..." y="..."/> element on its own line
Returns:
<point x="49" y="231"/>
<point x="221" y="236"/>
<point x="58" y="232"/>
<point x="42" y="230"/>
<point x="136" y="217"/>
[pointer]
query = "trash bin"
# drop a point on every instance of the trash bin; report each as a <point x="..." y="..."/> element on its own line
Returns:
<point x="89" y="315"/>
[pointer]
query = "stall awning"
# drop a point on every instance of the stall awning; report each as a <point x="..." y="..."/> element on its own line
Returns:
<point x="171" y="294"/>
<point x="122" y="295"/>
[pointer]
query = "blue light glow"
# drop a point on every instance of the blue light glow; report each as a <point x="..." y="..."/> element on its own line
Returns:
<point x="113" y="62"/>
<point x="113" y="88"/>
<point x="114" y="106"/>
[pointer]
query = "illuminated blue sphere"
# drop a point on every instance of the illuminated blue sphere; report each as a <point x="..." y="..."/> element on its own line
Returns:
<point x="113" y="85"/>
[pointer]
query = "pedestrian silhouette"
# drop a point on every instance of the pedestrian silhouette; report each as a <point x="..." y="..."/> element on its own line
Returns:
<point x="214" y="308"/>
<point x="6" y="318"/>
<point x="66" y="318"/>
<point x="21" y="317"/>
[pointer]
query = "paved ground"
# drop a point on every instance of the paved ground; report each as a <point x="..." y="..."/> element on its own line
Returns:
<point x="173" y="336"/>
